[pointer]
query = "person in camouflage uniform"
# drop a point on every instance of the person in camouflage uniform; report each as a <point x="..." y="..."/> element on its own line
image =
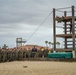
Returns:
<point x="0" y="55"/>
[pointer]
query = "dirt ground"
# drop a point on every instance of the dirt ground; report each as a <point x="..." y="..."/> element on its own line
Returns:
<point x="38" y="68"/>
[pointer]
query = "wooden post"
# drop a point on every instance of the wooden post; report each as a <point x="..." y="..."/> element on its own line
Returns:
<point x="54" y="29"/>
<point x="65" y="29"/>
<point x="73" y="28"/>
<point x="73" y="31"/>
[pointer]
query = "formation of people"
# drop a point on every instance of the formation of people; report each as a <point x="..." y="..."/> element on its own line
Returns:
<point x="19" y="54"/>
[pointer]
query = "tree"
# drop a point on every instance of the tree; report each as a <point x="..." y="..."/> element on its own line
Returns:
<point x="4" y="46"/>
<point x="46" y="42"/>
<point x="58" y="44"/>
<point x="49" y="44"/>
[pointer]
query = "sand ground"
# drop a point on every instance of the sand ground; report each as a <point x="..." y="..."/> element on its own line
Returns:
<point x="38" y="68"/>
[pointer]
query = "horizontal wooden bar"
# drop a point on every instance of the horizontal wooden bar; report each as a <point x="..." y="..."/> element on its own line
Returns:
<point x="67" y="27"/>
<point x="69" y="44"/>
<point x="68" y="41"/>
<point x="67" y="31"/>
<point x="65" y="35"/>
<point x="70" y="24"/>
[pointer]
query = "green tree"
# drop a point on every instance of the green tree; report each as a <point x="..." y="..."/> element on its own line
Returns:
<point x="5" y="46"/>
<point x="49" y="44"/>
<point x="46" y="42"/>
<point x="58" y="44"/>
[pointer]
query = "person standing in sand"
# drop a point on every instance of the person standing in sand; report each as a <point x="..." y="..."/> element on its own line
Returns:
<point x="34" y="51"/>
<point x="42" y="49"/>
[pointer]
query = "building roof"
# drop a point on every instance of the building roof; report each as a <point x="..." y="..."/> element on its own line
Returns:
<point x="29" y="47"/>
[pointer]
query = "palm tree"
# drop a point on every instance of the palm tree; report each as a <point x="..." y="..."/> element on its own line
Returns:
<point x="58" y="44"/>
<point x="4" y="46"/>
<point x="49" y="44"/>
<point x="46" y="42"/>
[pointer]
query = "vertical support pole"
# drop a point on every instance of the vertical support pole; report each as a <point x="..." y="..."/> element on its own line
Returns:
<point x="54" y="29"/>
<point x="65" y="29"/>
<point x="21" y="43"/>
<point x="17" y="42"/>
<point x="73" y="30"/>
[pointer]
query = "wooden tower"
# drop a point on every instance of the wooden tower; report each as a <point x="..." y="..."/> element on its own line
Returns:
<point x="19" y="42"/>
<point x="69" y="28"/>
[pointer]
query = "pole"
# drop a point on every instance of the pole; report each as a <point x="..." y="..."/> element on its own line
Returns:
<point x="73" y="31"/>
<point x="65" y="29"/>
<point x="54" y="29"/>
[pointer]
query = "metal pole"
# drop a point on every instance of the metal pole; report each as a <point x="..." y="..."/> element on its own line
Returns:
<point x="54" y="29"/>
<point x="65" y="28"/>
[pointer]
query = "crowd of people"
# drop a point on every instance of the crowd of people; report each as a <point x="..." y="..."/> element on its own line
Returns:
<point x="20" y="54"/>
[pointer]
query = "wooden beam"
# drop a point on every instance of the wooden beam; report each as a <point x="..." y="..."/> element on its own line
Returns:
<point x="54" y="29"/>
<point x="67" y="27"/>
<point x="73" y="27"/>
<point x="69" y="24"/>
<point x="65" y="35"/>
<point x="65" y="30"/>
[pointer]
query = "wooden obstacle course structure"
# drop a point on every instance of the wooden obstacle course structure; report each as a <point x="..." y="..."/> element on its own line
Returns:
<point x="68" y="29"/>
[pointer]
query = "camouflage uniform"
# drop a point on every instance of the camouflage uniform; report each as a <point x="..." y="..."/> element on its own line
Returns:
<point x="0" y="55"/>
<point x="4" y="55"/>
<point x="20" y="54"/>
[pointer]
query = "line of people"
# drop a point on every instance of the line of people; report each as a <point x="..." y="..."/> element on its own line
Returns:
<point x="19" y="54"/>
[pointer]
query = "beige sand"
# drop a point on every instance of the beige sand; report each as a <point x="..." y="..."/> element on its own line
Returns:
<point x="38" y="68"/>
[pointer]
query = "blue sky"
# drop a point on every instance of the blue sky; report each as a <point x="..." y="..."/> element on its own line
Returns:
<point x="20" y="18"/>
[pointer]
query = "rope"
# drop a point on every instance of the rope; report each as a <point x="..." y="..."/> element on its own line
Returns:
<point x="63" y="8"/>
<point x="60" y="11"/>
<point x="38" y="27"/>
<point x="63" y="11"/>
